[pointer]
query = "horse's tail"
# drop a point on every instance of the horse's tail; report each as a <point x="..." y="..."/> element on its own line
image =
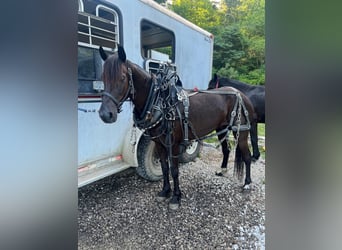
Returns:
<point x="239" y="164"/>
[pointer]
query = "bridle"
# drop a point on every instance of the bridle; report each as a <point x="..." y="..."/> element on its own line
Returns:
<point x="129" y="91"/>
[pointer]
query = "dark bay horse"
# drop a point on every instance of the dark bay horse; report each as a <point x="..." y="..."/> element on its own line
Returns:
<point x="187" y="118"/>
<point x="256" y="93"/>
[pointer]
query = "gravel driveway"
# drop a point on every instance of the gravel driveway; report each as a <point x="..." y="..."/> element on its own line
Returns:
<point x="120" y="212"/>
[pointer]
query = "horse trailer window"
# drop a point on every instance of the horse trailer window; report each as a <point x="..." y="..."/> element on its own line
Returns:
<point x="89" y="70"/>
<point x="101" y="29"/>
<point x="157" y="42"/>
<point x="98" y="25"/>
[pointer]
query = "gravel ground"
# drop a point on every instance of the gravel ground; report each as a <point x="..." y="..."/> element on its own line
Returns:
<point x="120" y="212"/>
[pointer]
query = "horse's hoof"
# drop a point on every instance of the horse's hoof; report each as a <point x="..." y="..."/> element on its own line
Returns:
<point x="175" y="202"/>
<point x="255" y="158"/>
<point x="222" y="172"/>
<point x="218" y="174"/>
<point x="162" y="196"/>
<point x="246" y="188"/>
<point x="173" y="206"/>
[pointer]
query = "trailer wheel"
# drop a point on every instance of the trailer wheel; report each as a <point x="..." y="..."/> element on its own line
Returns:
<point x="148" y="160"/>
<point x="191" y="152"/>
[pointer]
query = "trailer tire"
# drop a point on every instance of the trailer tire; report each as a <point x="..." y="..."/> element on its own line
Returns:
<point x="148" y="161"/>
<point x="191" y="152"/>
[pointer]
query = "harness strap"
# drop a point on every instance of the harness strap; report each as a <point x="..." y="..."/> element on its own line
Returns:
<point x="233" y="114"/>
<point x="231" y="125"/>
<point x="182" y="95"/>
<point x="149" y="102"/>
<point x="216" y="134"/>
<point x="214" y="91"/>
<point x="116" y="102"/>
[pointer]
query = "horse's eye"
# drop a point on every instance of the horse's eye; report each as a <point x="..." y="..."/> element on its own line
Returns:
<point x="123" y="78"/>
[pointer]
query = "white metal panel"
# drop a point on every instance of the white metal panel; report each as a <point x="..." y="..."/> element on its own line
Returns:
<point x="97" y="139"/>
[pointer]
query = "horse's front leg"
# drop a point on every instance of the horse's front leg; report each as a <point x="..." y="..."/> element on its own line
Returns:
<point x="166" y="191"/>
<point x="176" y="198"/>
<point x="225" y="152"/>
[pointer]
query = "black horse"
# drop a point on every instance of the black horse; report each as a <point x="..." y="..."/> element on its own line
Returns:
<point x="171" y="122"/>
<point x="256" y="93"/>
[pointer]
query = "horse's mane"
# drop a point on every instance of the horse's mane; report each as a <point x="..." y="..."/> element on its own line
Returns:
<point x="232" y="82"/>
<point x="112" y="66"/>
<point x="141" y="70"/>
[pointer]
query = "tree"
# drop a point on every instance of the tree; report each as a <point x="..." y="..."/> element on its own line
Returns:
<point x="253" y="28"/>
<point x="238" y="27"/>
<point x="228" y="48"/>
<point x="249" y="18"/>
<point x="200" y="12"/>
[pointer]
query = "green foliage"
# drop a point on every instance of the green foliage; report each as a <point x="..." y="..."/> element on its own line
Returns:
<point x="229" y="72"/>
<point x="165" y="50"/>
<point x="261" y="129"/>
<point x="256" y="77"/>
<point x="160" y="1"/>
<point x="228" y="48"/>
<point x="200" y="12"/>
<point x="239" y="31"/>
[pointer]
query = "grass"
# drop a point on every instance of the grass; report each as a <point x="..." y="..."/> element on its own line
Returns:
<point x="211" y="139"/>
<point x="261" y="132"/>
<point x="261" y="129"/>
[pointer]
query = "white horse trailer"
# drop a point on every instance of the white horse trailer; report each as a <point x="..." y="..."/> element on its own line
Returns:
<point x="151" y="35"/>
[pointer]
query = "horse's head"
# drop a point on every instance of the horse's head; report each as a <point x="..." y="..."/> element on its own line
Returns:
<point x="117" y="78"/>
<point x="214" y="83"/>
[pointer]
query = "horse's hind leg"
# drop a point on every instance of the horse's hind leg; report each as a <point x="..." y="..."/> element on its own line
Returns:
<point x="243" y="159"/>
<point x="225" y="152"/>
<point x="254" y="141"/>
<point x="246" y="156"/>
<point x="166" y="191"/>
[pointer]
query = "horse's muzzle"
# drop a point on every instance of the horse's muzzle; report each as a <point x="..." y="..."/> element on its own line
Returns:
<point x="107" y="116"/>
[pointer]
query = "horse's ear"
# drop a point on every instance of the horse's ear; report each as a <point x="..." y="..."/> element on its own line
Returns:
<point x="121" y="53"/>
<point x="103" y="54"/>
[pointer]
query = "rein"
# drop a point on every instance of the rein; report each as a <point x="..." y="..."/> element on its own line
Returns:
<point x="129" y="91"/>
